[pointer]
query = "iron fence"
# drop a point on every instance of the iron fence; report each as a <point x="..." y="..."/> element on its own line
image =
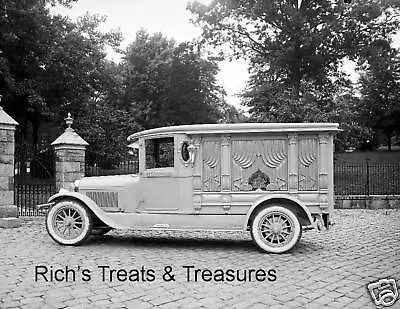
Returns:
<point x="367" y="178"/>
<point x="34" y="178"/>
<point x="107" y="167"/>
<point x="27" y="196"/>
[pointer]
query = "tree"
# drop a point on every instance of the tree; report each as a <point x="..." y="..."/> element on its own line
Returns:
<point x="230" y="114"/>
<point x="295" y="47"/>
<point x="104" y="122"/>
<point x="380" y="88"/>
<point x="106" y="127"/>
<point x="169" y="84"/>
<point x="49" y="65"/>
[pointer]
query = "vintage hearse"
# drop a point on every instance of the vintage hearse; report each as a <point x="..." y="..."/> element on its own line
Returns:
<point x="272" y="179"/>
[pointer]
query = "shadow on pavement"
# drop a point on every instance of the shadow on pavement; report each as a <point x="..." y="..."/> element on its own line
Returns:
<point x="164" y="242"/>
<point x="157" y="242"/>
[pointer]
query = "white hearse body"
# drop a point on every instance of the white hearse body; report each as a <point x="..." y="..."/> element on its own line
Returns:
<point x="269" y="178"/>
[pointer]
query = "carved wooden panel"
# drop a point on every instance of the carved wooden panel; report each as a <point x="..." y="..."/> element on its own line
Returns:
<point x="198" y="165"/>
<point x="308" y="164"/>
<point x="211" y="178"/>
<point x="259" y="165"/>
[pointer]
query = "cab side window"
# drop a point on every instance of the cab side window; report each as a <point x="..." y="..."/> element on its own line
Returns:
<point x="159" y="152"/>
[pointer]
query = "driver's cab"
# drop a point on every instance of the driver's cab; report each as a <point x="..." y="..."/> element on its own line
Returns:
<point x="165" y="171"/>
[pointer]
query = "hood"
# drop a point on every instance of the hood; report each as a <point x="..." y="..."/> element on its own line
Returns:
<point x="107" y="182"/>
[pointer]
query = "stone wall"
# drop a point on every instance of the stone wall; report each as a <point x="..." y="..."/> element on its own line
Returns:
<point x="8" y="211"/>
<point x="70" y="165"/>
<point x="371" y="202"/>
<point x="6" y="166"/>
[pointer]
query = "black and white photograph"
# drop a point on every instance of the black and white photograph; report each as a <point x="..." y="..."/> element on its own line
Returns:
<point x="199" y="154"/>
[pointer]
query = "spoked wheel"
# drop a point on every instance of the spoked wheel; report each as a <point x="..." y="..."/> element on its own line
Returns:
<point x="275" y="229"/>
<point x="68" y="222"/>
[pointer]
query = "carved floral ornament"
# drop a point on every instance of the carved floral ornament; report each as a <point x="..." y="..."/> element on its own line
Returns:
<point x="292" y="139"/>
<point x="259" y="180"/>
<point x="323" y="138"/>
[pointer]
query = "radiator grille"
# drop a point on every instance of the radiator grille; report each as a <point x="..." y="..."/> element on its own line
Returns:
<point x="104" y="199"/>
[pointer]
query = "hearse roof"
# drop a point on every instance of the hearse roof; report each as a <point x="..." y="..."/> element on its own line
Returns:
<point x="234" y="128"/>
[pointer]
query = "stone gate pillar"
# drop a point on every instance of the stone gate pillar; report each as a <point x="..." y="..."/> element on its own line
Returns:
<point x="70" y="157"/>
<point x="8" y="211"/>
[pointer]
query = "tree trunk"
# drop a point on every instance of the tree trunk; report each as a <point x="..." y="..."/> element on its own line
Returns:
<point x="35" y="120"/>
<point x="389" y="141"/>
<point x="296" y="73"/>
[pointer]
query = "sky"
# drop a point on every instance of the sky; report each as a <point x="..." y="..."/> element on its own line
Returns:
<point x="173" y="20"/>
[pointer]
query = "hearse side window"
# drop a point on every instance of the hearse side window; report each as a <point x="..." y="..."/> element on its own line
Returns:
<point x="159" y="152"/>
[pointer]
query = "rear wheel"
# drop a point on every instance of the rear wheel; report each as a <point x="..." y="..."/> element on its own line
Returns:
<point x="69" y="222"/>
<point x="275" y="229"/>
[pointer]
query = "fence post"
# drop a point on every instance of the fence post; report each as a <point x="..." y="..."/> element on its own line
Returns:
<point x="70" y="157"/>
<point x="367" y="185"/>
<point x="8" y="211"/>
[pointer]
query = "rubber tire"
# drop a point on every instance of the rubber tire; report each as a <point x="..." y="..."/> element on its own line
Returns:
<point x="301" y="234"/>
<point x="100" y="231"/>
<point x="261" y="244"/>
<point x="86" y="218"/>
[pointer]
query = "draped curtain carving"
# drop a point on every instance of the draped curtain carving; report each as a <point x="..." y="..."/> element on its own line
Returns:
<point x="211" y="166"/>
<point x="308" y="164"/>
<point x="269" y="156"/>
<point x="273" y="152"/>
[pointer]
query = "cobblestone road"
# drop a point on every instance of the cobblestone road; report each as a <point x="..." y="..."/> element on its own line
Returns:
<point x="325" y="270"/>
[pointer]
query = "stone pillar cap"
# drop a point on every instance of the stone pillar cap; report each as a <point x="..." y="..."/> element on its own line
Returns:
<point x="69" y="137"/>
<point x="5" y="119"/>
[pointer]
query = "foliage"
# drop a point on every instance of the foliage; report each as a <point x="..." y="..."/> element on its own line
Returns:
<point x="291" y="40"/>
<point x="295" y="50"/>
<point x="49" y="65"/>
<point x="380" y="87"/>
<point x="105" y="128"/>
<point x="230" y="114"/>
<point x="168" y="83"/>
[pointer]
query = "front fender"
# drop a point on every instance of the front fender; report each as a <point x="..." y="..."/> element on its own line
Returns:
<point x="280" y="196"/>
<point x="100" y="213"/>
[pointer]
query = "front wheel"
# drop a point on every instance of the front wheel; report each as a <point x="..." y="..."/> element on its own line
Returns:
<point x="275" y="229"/>
<point x="69" y="222"/>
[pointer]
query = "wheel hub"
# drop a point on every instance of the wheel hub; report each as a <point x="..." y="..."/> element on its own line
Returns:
<point x="276" y="229"/>
<point x="68" y="223"/>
